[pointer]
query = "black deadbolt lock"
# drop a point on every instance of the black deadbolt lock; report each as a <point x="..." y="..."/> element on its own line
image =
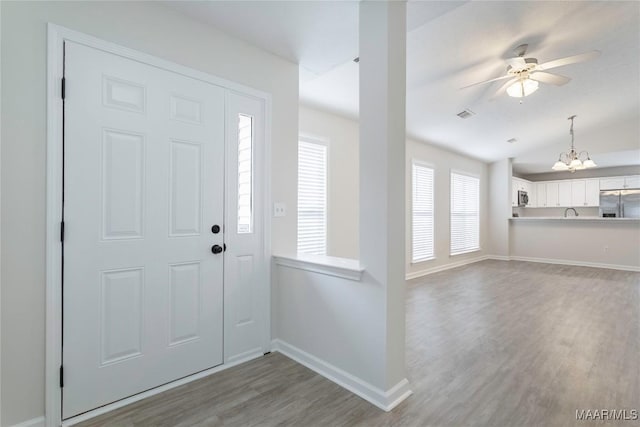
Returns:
<point x="215" y="229"/>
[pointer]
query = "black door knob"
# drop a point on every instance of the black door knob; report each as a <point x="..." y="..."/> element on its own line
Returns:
<point x="215" y="229"/>
<point x="216" y="249"/>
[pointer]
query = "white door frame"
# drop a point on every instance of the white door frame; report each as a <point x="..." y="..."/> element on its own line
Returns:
<point x="57" y="35"/>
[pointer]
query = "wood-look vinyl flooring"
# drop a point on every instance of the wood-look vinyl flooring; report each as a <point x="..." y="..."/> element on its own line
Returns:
<point x="493" y="343"/>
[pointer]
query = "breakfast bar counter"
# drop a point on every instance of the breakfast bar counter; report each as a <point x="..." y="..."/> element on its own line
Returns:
<point x="582" y="240"/>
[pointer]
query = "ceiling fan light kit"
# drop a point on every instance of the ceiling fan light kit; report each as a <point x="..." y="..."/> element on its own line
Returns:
<point x="572" y="160"/>
<point x="522" y="88"/>
<point x="526" y="74"/>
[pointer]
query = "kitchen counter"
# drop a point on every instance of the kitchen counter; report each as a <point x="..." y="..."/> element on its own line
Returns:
<point x="571" y="218"/>
<point x="583" y="240"/>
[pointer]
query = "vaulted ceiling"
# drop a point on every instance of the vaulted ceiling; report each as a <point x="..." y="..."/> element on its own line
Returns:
<point x="451" y="44"/>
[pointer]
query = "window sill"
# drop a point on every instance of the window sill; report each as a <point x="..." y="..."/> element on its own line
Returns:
<point x="345" y="268"/>
<point x="420" y="261"/>
<point x="466" y="252"/>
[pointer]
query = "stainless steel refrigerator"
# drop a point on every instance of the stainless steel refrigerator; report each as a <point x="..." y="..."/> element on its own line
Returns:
<point x="620" y="203"/>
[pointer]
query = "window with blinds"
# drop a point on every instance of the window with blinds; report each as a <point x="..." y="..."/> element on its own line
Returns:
<point x="312" y="197"/>
<point x="245" y="172"/>
<point x="422" y="213"/>
<point x="465" y="213"/>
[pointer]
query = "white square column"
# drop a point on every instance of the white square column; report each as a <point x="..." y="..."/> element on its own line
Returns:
<point x="382" y="178"/>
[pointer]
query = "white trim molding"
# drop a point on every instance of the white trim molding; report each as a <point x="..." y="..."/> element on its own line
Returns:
<point x="34" y="422"/>
<point x="448" y="266"/>
<point x="56" y="36"/>
<point x="345" y="268"/>
<point x="385" y="400"/>
<point x="577" y="263"/>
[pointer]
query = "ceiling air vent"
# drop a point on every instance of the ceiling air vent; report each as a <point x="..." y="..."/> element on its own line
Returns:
<point x="465" y="114"/>
<point x="511" y="141"/>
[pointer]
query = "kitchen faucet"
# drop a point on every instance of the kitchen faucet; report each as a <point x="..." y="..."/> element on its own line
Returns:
<point x="574" y="211"/>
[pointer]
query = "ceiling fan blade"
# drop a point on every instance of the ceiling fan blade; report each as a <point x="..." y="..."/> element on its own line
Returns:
<point x="503" y="88"/>
<point x="569" y="60"/>
<point x="488" y="81"/>
<point x="553" y="79"/>
<point x="517" y="62"/>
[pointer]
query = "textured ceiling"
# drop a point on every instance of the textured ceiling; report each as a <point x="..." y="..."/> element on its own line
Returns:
<point x="454" y="44"/>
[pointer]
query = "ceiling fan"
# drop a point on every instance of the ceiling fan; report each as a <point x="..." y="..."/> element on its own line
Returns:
<point x="525" y="74"/>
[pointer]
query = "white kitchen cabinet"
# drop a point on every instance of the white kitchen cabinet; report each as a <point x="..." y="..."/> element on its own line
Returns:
<point x="585" y="192"/>
<point x="518" y="184"/>
<point x="613" y="183"/>
<point x="533" y="197"/>
<point x="541" y="194"/>
<point x="564" y="194"/>
<point x="592" y="192"/>
<point x="552" y="194"/>
<point x="578" y="192"/>
<point x="632" y="181"/>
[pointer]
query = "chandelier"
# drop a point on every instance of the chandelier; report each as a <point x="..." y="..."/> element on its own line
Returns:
<point x="572" y="160"/>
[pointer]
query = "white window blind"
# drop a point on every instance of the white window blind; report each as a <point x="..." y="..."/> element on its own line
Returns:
<point x="312" y="198"/>
<point x="465" y="213"/>
<point x="422" y="213"/>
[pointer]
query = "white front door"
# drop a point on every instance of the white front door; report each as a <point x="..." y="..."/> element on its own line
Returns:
<point x="246" y="291"/>
<point x="143" y="187"/>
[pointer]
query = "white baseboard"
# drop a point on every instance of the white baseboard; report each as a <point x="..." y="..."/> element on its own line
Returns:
<point x="577" y="263"/>
<point x="153" y="392"/>
<point x="521" y="258"/>
<point x="35" y="422"/>
<point x="385" y="400"/>
<point x="444" y="267"/>
<point x="499" y="257"/>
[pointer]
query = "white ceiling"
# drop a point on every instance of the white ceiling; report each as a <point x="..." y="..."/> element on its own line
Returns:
<point x="451" y="44"/>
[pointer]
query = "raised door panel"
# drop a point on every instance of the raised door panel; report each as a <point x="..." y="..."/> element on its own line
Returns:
<point x="186" y="290"/>
<point x="122" y="178"/>
<point x="592" y="192"/>
<point x="121" y="314"/>
<point x="578" y="187"/>
<point x="552" y="194"/>
<point x="533" y="197"/>
<point x="564" y="194"/>
<point x="185" y="188"/>
<point x="541" y="194"/>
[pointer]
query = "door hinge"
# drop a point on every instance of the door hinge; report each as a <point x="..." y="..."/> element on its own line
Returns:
<point x="61" y="376"/>
<point x="62" y="231"/>
<point x="63" y="91"/>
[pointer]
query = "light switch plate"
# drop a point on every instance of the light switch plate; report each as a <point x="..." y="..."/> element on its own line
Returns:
<point x="279" y="209"/>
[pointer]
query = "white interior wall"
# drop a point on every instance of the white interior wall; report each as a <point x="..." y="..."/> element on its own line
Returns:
<point x="0" y="216"/>
<point x="145" y="26"/>
<point x="500" y="206"/>
<point x="343" y="206"/>
<point x="353" y="329"/>
<point x="443" y="162"/>
<point x="343" y="180"/>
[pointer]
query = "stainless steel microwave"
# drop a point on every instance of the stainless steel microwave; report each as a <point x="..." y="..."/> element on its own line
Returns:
<point x="523" y="198"/>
